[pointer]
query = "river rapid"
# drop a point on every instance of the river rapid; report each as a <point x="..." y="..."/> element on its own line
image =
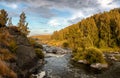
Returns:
<point x="60" y="66"/>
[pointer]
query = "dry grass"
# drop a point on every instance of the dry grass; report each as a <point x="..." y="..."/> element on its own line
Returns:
<point x="6" y="55"/>
<point x="47" y="40"/>
<point x="5" y="37"/>
<point x="55" y="42"/>
<point x="7" y="46"/>
<point x="6" y="71"/>
<point x="42" y="37"/>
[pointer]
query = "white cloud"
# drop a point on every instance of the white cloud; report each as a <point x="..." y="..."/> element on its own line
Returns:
<point x="54" y="22"/>
<point x="59" y="22"/>
<point x="107" y="4"/>
<point x="77" y="15"/>
<point x="13" y="5"/>
<point x="104" y="2"/>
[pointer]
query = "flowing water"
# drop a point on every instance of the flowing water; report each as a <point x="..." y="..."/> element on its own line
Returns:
<point x="60" y="66"/>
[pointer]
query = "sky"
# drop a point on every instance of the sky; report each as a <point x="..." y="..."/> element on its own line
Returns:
<point x="47" y="16"/>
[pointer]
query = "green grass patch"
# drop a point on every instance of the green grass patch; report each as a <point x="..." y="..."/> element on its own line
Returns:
<point x="91" y="55"/>
<point x="39" y="53"/>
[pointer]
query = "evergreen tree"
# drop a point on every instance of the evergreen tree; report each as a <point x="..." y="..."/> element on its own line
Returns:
<point x="22" y="25"/>
<point x="3" y="18"/>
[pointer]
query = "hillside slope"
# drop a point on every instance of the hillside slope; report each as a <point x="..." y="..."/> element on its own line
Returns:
<point x="17" y="55"/>
<point x="100" y="30"/>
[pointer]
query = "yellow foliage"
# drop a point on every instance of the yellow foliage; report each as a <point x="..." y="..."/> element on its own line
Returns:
<point x="6" y="55"/>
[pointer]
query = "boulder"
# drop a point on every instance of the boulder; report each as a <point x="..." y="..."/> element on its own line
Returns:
<point x="25" y="54"/>
<point x="113" y="58"/>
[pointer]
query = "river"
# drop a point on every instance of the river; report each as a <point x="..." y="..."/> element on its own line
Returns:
<point x="60" y="66"/>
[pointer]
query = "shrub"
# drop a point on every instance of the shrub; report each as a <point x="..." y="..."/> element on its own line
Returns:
<point x="39" y="53"/>
<point x="13" y="46"/>
<point x="6" y="55"/>
<point x="94" y="55"/>
<point x="4" y="37"/>
<point x="37" y="45"/>
<point x="65" y="45"/>
<point x="78" y="54"/>
<point x="32" y="41"/>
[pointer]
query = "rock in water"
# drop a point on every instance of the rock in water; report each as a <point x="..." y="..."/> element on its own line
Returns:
<point x="99" y="66"/>
<point x="41" y="74"/>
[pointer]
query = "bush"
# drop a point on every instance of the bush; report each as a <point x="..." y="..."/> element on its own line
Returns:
<point x="13" y="46"/>
<point x="37" y="45"/>
<point x="39" y="53"/>
<point x="94" y="55"/>
<point x="6" y="55"/>
<point x="78" y="54"/>
<point x="65" y="45"/>
<point x="32" y="41"/>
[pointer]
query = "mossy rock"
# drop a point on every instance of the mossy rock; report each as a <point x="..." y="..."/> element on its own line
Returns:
<point x="39" y="53"/>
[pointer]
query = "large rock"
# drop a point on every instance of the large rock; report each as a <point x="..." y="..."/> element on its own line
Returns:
<point x="26" y="58"/>
<point x="25" y="55"/>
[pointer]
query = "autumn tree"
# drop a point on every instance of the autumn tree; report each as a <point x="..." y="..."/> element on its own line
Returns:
<point x="22" y="25"/>
<point x="3" y="18"/>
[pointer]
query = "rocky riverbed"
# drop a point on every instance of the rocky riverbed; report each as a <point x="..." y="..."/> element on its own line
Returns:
<point x="58" y="65"/>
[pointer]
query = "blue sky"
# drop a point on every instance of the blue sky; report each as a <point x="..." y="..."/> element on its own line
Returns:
<point x="46" y="16"/>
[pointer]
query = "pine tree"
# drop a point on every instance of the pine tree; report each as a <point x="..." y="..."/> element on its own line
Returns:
<point x="22" y="25"/>
<point x="3" y="18"/>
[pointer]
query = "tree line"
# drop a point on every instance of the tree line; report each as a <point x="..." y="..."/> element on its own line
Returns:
<point x="100" y="30"/>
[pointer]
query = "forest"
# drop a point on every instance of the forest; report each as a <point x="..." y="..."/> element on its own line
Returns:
<point x="92" y="36"/>
<point x="100" y="30"/>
